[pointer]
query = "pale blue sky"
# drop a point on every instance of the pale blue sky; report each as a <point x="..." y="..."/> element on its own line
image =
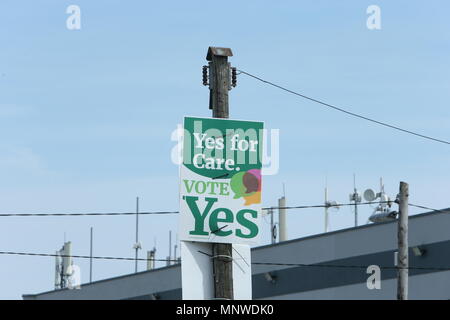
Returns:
<point x="86" y="115"/>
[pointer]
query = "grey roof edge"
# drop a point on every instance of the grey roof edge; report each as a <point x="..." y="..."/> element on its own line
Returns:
<point x="441" y="211"/>
<point x="104" y="280"/>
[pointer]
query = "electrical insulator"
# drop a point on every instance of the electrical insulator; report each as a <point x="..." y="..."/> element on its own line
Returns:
<point x="233" y="77"/>
<point x="205" y="75"/>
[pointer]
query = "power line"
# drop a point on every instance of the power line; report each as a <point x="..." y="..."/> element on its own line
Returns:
<point x="428" y="208"/>
<point x="254" y="263"/>
<point x="81" y="256"/>
<point x="343" y="110"/>
<point x="164" y="212"/>
<point x="84" y="214"/>
<point x="327" y="205"/>
<point x="176" y="212"/>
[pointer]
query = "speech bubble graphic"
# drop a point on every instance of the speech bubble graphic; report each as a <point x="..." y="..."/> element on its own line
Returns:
<point x="253" y="198"/>
<point x="237" y="185"/>
<point x="252" y="180"/>
<point x="247" y="185"/>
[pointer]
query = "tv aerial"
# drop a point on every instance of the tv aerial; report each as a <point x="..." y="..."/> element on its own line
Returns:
<point x="356" y="198"/>
<point x="327" y="205"/>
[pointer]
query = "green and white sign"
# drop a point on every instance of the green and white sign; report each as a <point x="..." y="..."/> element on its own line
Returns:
<point x="220" y="186"/>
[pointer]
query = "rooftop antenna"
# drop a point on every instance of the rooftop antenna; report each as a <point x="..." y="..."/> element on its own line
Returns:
<point x="383" y="211"/>
<point x="58" y="262"/>
<point x="67" y="258"/>
<point x="325" y="202"/>
<point x="175" y="247"/>
<point x="273" y="227"/>
<point x="137" y="244"/>
<point x="356" y="198"/>
<point x="90" y="254"/>
<point x="326" y="209"/>
<point x="151" y="257"/>
<point x="169" y="258"/>
<point x="154" y="249"/>
<point x="63" y="266"/>
<point x="282" y="223"/>
<point x="328" y="204"/>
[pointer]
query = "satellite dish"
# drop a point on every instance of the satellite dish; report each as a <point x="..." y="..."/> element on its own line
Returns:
<point x="369" y="195"/>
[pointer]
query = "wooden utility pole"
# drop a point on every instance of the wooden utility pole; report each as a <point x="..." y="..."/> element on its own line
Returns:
<point x="219" y="85"/>
<point x="402" y="234"/>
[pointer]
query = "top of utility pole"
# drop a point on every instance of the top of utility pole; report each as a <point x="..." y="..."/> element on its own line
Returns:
<point x="218" y="51"/>
<point x="222" y="78"/>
